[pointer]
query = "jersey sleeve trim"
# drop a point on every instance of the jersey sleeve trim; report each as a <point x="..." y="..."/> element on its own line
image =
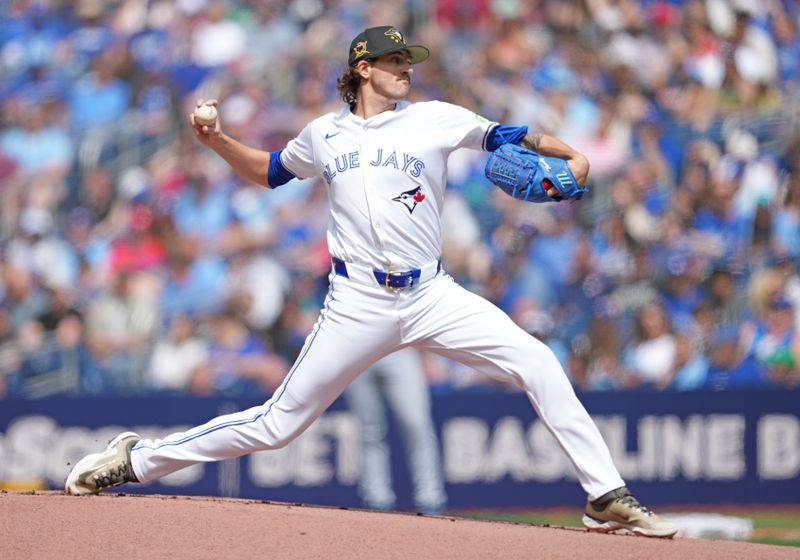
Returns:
<point x="277" y="174"/>
<point x="500" y="134"/>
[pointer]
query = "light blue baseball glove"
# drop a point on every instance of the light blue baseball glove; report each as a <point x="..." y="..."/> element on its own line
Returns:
<point x="527" y="175"/>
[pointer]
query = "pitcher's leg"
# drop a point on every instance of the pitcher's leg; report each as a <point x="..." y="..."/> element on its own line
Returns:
<point x="339" y="348"/>
<point x="465" y="327"/>
<point x="366" y="403"/>
<point x="408" y="394"/>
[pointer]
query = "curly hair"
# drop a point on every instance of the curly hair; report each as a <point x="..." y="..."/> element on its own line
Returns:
<point x="347" y="85"/>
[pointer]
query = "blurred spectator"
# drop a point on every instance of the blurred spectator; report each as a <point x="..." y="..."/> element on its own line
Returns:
<point x="238" y="362"/>
<point x="60" y="305"/>
<point x="9" y="352"/>
<point x="92" y="35"/>
<point x="773" y="339"/>
<point x="55" y="362"/>
<point x="595" y="364"/>
<point x="150" y="45"/>
<point x="783" y="366"/>
<point x="194" y="286"/>
<point x="729" y="366"/>
<point x="216" y="39"/>
<point x="704" y="61"/>
<point x="681" y="291"/>
<point x="764" y="287"/>
<point x="718" y="219"/>
<point x="786" y="222"/>
<point x="271" y="36"/>
<point x="99" y="98"/>
<point x="784" y="30"/>
<point x="756" y="176"/>
<point x="97" y="198"/>
<point x="24" y="299"/>
<point x="202" y="210"/>
<point x="257" y="288"/>
<point x="629" y="294"/>
<point x="37" y="145"/>
<point x="658" y="357"/>
<point x="785" y="271"/>
<point x="30" y="35"/>
<point x="613" y="248"/>
<point x="39" y="249"/>
<point x="550" y="257"/>
<point x="461" y="247"/>
<point x="750" y="57"/>
<point x="120" y="325"/>
<point x="176" y="356"/>
<point x="141" y="247"/>
<point x="296" y="319"/>
<point x="534" y="320"/>
<point x="725" y="298"/>
<point x="574" y="309"/>
<point x="605" y="139"/>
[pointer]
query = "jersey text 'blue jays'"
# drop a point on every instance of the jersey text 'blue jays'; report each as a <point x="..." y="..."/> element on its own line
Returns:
<point x="383" y="158"/>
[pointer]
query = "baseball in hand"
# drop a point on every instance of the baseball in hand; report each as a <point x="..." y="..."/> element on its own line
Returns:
<point x="205" y="115"/>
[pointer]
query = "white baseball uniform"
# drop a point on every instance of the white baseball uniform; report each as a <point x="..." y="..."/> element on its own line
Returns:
<point x="386" y="177"/>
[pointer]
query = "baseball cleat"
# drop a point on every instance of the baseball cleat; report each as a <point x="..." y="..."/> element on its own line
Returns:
<point x="619" y="511"/>
<point x="106" y="469"/>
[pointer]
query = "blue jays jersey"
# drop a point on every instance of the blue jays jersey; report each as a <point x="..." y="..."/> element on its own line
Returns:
<point x="386" y="177"/>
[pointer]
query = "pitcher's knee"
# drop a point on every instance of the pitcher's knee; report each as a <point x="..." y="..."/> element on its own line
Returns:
<point x="536" y="359"/>
<point x="532" y="351"/>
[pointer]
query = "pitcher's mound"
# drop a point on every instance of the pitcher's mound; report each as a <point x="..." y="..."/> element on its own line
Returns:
<point x="46" y="525"/>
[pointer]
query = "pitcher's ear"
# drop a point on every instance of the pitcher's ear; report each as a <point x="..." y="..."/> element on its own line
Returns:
<point x="362" y="68"/>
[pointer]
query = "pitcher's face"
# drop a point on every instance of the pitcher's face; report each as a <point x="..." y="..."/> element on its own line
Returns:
<point x="390" y="75"/>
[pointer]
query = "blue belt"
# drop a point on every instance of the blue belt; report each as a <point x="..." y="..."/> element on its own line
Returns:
<point x="395" y="280"/>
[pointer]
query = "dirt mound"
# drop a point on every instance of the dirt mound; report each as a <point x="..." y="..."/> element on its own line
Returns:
<point x="46" y="525"/>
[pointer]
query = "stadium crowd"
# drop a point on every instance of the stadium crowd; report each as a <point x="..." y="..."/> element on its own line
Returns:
<point x="132" y="260"/>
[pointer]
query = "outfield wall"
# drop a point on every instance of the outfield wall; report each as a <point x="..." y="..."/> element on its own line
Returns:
<point x="672" y="448"/>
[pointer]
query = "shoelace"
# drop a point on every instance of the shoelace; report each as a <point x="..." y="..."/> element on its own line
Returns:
<point x="634" y="503"/>
<point x="111" y="477"/>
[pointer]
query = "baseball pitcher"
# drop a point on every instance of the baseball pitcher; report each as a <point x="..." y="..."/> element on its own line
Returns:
<point x="384" y="161"/>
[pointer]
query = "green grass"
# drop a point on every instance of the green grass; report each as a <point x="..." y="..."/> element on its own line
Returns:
<point x="772" y="520"/>
<point x="771" y="526"/>
<point x="778" y="542"/>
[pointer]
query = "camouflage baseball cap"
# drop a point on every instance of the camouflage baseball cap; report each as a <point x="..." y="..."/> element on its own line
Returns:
<point x="378" y="41"/>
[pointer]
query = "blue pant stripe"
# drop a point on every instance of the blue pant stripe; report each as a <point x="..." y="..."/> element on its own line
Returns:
<point x="260" y="414"/>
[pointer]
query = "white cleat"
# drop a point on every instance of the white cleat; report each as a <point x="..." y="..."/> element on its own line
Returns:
<point x="624" y="514"/>
<point x="106" y="469"/>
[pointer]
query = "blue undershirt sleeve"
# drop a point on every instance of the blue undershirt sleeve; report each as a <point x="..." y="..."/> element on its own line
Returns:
<point x="504" y="134"/>
<point x="277" y="175"/>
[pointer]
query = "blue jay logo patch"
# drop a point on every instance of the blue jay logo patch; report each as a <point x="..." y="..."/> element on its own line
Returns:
<point x="411" y="198"/>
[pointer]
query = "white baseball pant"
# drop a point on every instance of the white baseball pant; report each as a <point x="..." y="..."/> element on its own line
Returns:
<point x="360" y="323"/>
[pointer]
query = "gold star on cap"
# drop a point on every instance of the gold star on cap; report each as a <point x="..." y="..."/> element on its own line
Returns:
<point x="360" y="49"/>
